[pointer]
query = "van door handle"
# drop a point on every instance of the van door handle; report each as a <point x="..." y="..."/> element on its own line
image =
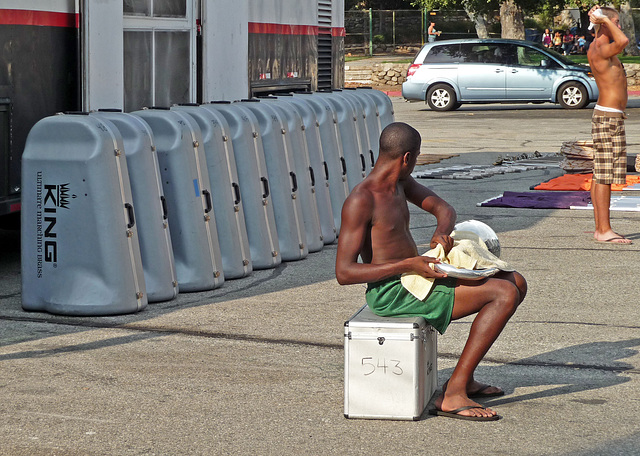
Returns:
<point x="514" y="71"/>
<point x="499" y="70"/>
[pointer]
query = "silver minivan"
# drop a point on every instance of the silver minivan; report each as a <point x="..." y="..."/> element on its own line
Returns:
<point x="446" y="74"/>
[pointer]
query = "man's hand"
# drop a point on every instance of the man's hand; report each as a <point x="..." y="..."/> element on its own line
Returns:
<point x="443" y="239"/>
<point x="596" y="18"/>
<point x="421" y="266"/>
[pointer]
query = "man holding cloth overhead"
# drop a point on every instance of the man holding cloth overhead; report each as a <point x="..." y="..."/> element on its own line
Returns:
<point x="607" y="125"/>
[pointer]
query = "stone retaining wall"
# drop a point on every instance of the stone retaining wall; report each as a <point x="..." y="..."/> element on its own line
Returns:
<point x="394" y="74"/>
<point x="391" y="74"/>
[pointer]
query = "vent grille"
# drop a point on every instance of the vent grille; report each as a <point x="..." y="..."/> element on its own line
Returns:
<point x="325" y="45"/>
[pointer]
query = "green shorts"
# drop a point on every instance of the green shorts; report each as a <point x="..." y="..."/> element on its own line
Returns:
<point x="388" y="298"/>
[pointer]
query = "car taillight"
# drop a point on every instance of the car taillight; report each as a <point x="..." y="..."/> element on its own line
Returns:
<point x="412" y="69"/>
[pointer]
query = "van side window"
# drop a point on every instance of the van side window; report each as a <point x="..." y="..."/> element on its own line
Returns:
<point x="449" y="53"/>
<point x="485" y="53"/>
<point x="531" y="57"/>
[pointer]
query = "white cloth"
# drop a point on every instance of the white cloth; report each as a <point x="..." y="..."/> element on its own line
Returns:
<point x="468" y="252"/>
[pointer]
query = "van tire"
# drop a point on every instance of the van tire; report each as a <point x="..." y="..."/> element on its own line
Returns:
<point x="573" y="95"/>
<point x="442" y="97"/>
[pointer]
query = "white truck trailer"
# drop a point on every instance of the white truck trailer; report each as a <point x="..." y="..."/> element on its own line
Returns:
<point x="83" y="55"/>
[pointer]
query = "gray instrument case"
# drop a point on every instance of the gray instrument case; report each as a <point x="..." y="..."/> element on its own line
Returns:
<point x="317" y="163"/>
<point x="254" y="183"/>
<point x="186" y="189"/>
<point x="331" y="150"/>
<point x="227" y="200"/>
<point x="148" y="198"/>
<point x="350" y="135"/>
<point x="304" y="172"/>
<point x="80" y="251"/>
<point x="285" y="189"/>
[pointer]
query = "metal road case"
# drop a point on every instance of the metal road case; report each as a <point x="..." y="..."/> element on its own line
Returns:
<point x="317" y="163"/>
<point x="148" y="199"/>
<point x="304" y="172"/>
<point x="390" y="366"/>
<point x="278" y="156"/>
<point x="348" y="124"/>
<point x="331" y="150"/>
<point x="80" y="251"/>
<point x="185" y="183"/>
<point x="254" y="183"/>
<point x="226" y="196"/>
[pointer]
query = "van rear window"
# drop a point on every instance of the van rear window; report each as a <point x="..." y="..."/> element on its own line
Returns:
<point x="447" y="53"/>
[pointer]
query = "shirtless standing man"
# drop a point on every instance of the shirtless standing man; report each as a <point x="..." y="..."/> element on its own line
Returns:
<point x="375" y="226"/>
<point x="607" y="124"/>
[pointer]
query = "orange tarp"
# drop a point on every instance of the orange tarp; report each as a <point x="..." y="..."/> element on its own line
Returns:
<point x="576" y="182"/>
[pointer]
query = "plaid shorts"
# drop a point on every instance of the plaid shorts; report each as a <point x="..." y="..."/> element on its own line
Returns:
<point x="610" y="150"/>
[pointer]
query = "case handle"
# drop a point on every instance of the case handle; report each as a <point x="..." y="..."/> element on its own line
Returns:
<point x="294" y="181"/>
<point x="130" y="214"/>
<point x="373" y="158"/>
<point x="265" y="185"/>
<point x="207" y="198"/>
<point x="236" y="191"/>
<point x="344" y="166"/>
<point x="326" y="170"/>
<point x="312" y="176"/>
<point x="364" y="162"/>
<point x="165" y="212"/>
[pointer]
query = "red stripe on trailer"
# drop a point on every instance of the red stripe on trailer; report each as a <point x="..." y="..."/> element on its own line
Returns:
<point x="289" y="29"/>
<point x="39" y="18"/>
<point x="15" y="207"/>
<point x="282" y="29"/>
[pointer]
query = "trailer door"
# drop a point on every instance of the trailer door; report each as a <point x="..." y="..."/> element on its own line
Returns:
<point x="159" y="52"/>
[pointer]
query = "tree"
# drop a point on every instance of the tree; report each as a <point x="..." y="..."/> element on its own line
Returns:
<point x="511" y="12"/>
<point x="512" y="20"/>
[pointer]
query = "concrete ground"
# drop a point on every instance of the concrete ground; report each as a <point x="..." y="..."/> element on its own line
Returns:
<point x="256" y="367"/>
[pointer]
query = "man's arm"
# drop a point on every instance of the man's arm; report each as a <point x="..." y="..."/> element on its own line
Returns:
<point x="620" y="40"/>
<point x="357" y="213"/>
<point x="444" y="213"/>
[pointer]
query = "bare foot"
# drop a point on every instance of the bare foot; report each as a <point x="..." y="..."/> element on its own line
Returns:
<point x="611" y="237"/>
<point x="478" y="390"/>
<point x="448" y="402"/>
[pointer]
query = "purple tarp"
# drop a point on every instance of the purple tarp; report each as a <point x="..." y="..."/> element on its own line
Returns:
<point x="540" y="200"/>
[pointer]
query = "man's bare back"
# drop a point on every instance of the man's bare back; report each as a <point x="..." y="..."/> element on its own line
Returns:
<point x="388" y="236"/>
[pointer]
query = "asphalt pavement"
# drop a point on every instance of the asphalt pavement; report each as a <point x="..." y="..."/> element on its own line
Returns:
<point x="256" y="367"/>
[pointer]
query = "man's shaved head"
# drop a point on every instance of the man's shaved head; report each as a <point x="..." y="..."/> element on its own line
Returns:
<point x="397" y="139"/>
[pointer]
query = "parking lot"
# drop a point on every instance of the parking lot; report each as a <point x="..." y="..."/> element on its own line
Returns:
<point x="256" y="366"/>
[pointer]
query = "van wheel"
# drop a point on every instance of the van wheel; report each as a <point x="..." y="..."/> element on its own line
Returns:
<point x="442" y="97"/>
<point x="573" y="95"/>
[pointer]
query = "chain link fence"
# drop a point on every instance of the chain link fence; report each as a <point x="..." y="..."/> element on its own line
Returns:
<point x="381" y="32"/>
<point x="370" y="32"/>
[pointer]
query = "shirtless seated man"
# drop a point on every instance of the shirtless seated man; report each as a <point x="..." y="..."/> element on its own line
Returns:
<point x="375" y="226"/>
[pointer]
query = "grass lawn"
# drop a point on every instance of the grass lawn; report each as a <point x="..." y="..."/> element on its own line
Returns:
<point x="623" y="59"/>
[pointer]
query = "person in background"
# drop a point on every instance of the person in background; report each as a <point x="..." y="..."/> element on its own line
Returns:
<point x="557" y="41"/>
<point x="567" y="42"/>
<point x="547" y="39"/>
<point x="432" y="32"/>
